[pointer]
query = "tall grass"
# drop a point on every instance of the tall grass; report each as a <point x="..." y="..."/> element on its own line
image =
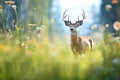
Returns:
<point x="34" y="57"/>
<point x="50" y="61"/>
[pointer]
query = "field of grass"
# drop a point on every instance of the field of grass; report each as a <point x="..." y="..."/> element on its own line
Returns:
<point x="31" y="56"/>
<point x="43" y="60"/>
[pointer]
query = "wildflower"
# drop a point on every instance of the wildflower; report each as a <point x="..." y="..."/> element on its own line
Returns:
<point x="9" y="2"/>
<point x="38" y="28"/>
<point x="114" y="1"/>
<point x="116" y="25"/>
<point x="42" y="28"/>
<point x="94" y="26"/>
<point x="31" y="25"/>
<point x="1" y="9"/>
<point x="14" y="6"/>
<point x="4" y="48"/>
<point x="106" y="25"/>
<point x="108" y="7"/>
<point x="23" y="45"/>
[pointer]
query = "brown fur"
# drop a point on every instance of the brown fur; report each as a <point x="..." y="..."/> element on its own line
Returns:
<point x="80" y="43"/>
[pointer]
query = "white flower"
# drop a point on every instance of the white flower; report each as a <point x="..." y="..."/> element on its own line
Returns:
<point x="94" y="26"/>
<point x="23" y="45"/>
<point x="14" y="6"/>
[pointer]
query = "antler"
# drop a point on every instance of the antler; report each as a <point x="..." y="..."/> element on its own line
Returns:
<point x="80" y="22"/>
<point x="83" y="15"/>
<point x="67" y="22"/>
<point x="65" y="15"/>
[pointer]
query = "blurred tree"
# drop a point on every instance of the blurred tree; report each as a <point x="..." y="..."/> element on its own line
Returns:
<point x="55" y="19"/>
<point x="21" y="10"/>
<point x="38" y="10"/>
<point x="28" y="11"/>
<point x="58" y="20"/>
<point x="109" y="13"/>
<point x="51" y="22"/>
<point x="55" y="25"/>
<point x="10" y="15"/>
<point x="95" y="14"/>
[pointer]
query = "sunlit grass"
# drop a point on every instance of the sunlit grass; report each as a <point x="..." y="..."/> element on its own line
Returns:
<point x="44" y="60"/>
<point x="33" y="56"/>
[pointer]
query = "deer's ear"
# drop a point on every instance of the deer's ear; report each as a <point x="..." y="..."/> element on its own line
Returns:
<point x="67" y="23"/>
<point x="78" y="23"/>
<point x="81" y="22"/>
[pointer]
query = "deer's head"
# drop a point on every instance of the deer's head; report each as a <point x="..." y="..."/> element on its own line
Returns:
<point x="73" y="26"/>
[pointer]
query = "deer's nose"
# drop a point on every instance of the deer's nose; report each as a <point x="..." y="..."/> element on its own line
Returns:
<point x="71" y="29"/>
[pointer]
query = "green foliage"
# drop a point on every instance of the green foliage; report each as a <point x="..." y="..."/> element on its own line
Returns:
<point x="39" y="10"/>
<point x="44" y="60"/>
<point x="32" y="56"/>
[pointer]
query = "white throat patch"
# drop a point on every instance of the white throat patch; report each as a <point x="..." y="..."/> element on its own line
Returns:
<point x="74" y="33"/>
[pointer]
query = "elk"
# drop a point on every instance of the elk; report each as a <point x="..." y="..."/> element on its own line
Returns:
<point x="79" y="44"/>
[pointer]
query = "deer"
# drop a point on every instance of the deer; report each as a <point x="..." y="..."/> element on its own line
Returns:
<point x="79" y="44"/>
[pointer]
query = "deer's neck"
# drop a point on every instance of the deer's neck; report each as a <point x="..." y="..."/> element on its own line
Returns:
<point x="74" y="38"/>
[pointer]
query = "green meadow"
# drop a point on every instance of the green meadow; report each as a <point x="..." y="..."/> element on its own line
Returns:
<point x="38" y="53"/>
